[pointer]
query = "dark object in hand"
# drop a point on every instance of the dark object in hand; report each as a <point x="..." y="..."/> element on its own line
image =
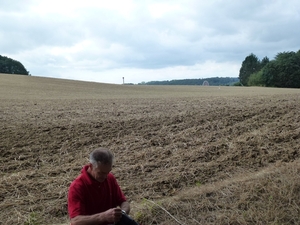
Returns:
<point x="126" y="220"/>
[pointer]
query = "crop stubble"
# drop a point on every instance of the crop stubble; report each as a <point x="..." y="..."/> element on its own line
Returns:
<point x="164" y="147"/>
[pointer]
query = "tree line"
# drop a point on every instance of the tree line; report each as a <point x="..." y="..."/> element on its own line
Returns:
<point x="283" y="71"/>
<point x="11" y="66"/>
<point x="213" y="81"/>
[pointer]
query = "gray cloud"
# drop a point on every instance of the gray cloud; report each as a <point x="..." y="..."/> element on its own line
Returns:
<point x="92" y="38"/>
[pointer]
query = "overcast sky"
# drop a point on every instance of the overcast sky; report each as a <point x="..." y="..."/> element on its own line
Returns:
<point x="145" y="40"/>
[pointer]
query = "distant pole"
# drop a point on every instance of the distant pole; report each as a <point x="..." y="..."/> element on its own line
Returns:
<point x="123" y="80"/>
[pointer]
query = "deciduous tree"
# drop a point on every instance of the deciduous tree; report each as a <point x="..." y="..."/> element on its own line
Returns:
<point x="283" y="71"/>
<point x="250" y="65"/>
<point x="8" y="65"/>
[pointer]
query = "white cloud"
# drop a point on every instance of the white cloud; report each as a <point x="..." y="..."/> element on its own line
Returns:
<point x="134" y="75"/>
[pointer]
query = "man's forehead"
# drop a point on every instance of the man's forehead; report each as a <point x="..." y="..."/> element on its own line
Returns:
<point x="104" y="167"/>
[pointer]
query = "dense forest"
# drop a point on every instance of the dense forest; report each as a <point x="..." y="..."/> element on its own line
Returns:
<point x="283" y="71"/>
<point x="214" y="81"/>
<point x="11" y="66"/>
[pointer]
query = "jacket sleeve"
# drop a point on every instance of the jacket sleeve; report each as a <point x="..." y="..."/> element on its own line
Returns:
<point x="76" y="200"/>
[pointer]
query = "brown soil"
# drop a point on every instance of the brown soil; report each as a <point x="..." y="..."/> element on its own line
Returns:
<point x="166" y="149"/>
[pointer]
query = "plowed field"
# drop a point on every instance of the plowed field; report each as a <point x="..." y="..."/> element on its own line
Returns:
<point x="173" y="145"/>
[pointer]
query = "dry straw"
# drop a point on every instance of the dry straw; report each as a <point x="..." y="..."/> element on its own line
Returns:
<point x="198" y="156"/>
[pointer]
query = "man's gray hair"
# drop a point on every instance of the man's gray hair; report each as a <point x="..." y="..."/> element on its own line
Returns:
<point x="101" y="156"/>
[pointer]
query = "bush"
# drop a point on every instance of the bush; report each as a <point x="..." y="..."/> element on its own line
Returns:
<point x="255" y="79"/>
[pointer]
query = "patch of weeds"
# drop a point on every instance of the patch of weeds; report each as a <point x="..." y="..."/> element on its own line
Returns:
<point x="198" y="183"/>
<point x="139" y="216"/>
<point x="33" y="219"/>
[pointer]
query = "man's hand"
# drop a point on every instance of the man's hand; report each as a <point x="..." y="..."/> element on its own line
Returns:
<point x="110" y="216"/>
<point x="113" y="215"/>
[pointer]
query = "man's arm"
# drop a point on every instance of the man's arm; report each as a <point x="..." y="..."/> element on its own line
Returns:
<point x="109" y="216"/>
<point x="125" y="206"/>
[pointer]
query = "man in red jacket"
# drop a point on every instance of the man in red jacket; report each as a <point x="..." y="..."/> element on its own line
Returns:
<point x="95" y="196"/>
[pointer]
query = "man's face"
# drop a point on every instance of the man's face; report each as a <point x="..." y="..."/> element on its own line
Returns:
<point x="100" y="173"/>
